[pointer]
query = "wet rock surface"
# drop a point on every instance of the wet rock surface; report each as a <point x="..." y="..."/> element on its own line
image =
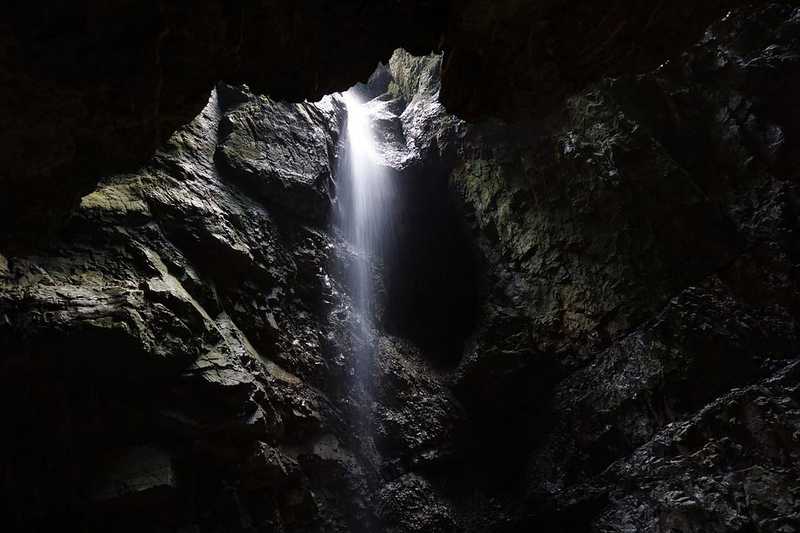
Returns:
<point x="642" y="273"/>
<point x="590" y="322"/>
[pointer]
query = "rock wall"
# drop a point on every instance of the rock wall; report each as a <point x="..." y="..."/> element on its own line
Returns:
<point x="643" y="290"/>
<point x="182" y="356"/>
<point x="617" y="282"/>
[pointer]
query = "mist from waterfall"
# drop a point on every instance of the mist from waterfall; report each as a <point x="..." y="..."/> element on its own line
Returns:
<point x="365" y="192"/>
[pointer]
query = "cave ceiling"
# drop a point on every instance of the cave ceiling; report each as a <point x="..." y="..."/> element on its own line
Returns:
<point x="92" y="87"/>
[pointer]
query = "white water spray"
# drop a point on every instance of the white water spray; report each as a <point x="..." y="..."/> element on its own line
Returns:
<point x="364" y="197"/>
<point x="365" y="207"/>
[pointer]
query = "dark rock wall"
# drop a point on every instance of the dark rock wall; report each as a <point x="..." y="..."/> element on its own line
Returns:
<point x="616" y="281"/>
<point x="491" y="47"/>
<point x="643" y="283"/>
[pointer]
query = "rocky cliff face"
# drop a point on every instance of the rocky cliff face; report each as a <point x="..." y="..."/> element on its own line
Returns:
<point x="591" y="321"/>
<point x="182" y="356"/>
<point x="643" y="283"/>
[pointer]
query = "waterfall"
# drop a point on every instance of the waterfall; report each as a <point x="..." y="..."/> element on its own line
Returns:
<point x="365" y="191"/>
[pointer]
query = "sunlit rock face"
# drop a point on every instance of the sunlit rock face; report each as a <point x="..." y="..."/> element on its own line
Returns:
<point x="586" y="322"/>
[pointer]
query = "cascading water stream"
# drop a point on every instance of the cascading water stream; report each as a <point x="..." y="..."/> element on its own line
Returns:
<point x="365" y="190"/>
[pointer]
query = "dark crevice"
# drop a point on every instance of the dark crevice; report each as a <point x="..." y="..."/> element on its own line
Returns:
<point x="432" y="272"/>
